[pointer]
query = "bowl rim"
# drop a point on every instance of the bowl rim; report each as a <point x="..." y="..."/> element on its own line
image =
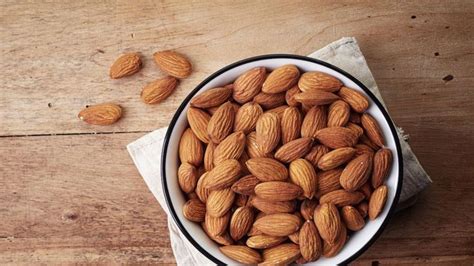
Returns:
<point x="188" y="98"/>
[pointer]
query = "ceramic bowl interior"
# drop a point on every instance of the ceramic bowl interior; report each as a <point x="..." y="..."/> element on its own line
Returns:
<point x="193" y="232"/>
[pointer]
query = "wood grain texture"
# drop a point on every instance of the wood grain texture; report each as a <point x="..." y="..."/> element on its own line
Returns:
<point x="68" y="196"/>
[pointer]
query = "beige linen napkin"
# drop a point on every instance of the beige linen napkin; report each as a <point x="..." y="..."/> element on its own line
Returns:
<point x="345" y="54"/>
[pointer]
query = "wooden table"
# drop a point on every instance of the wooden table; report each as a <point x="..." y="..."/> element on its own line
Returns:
<point x="70" y="193"/>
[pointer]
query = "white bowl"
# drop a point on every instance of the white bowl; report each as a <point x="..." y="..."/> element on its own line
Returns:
<point x="175" y="199"/>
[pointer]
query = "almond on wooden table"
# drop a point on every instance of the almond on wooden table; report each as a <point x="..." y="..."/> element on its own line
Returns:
<point x="190" y="148"/>
<point x="158" y="90"/>
<point x="126" y="65"/>
<point x="198" y="121"/>
<point x="281" y="79"/>
<point x="101" y="114"/>
<point x="248" y="85"/>
<point x="173" y="63"/>
<point x="242" y="254"/>
<point x="291" y="124"/>
<point x="315" y="80"/>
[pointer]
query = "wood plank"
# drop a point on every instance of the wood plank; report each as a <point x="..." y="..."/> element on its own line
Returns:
<point x="59" y="53"/>
<point x="79" y="199"/>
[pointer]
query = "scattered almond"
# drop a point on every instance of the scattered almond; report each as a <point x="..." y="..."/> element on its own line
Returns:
<point x="158" y="90"/>
<point x="101" y="114"/>
<point x="173" y="63"/>
<point x="126" y="65"/>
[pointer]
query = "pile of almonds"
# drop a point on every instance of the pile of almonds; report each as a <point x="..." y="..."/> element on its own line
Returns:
<point x="282" y="166"/>
<point x="175" y="65"/>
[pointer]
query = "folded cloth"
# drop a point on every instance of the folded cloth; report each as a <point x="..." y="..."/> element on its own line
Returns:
<point x="345" y="54"/>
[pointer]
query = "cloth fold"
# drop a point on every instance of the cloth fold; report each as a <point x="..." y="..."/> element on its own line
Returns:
<point x="345" y="54"/>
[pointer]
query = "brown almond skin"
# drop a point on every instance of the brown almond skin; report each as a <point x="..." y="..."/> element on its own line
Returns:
<point x="315" y="80"/>
<point x="212" y="97"/>
<point x="126" y="65"/>
<point x="377" y="202"/>
<point x="190" y="148"/>
<point x="316" y="97"/>
<point x="187" y="177"/>
<point x="158" y="90"/>
<point x="372" y="129"/>
<point x="241" y="200"/>
<point x="247" y="116"/>
<point x="283" y="254"/>
<point x="355" y="128"/>
<point x="279" y="224"/>
<point x="173" y="63"/>
<point x="293" y="150"/>
<point x="302" y="173"/>
<point x="314" y="120"/>
<point x="242" y="254"/>
<point x="332" y="249"/>
<point x="352" y="218"/>
<point x="198" y="121"/>
<point x="328" y="181"/>
<point x="217" y="225"/>
<point x="278" y="191"/>
<point x="368" y="142"/>
<point x="291" y="124"/>
<point x="336" y="137"/>
<point x="268" y="132"/>
<point x="221" y="123"/>
<point x="362" y="148"/>
<point x="363" y="208"/>
<point x="278" y="110"/>
<point x="272" y="207"/>
<point x="355" y="99"/>
<point x="290" y="96"/>
<point x="209" y="156"/>
<point x="354" y="118"/>
<point x="295" y="237"/>
<point x="356" y="172"/>
<point x="253" y="149"/>
<point x="231" y="147"/>
<point x="335" y="158"/>
<point x="219" y="202"/>
<point x="269" y="101"/>
<point x="267" y="169"/>
<point x="382" y="165"/>
<point x="281" y="79"/>
<point x="366" y="189"/>
<point x="241" y="222"/>
<point x="194" y="210"/>
<point x="223" y="175"/>
<point x="315" y="154"/>
<point x="264" y="241"/>
<point x="338" y="115"/>
<point x="342" y="198"/>
<point x="328" y="222"/>
<point x="245" y="185"/>
<point x="307" y="208"/>
<point x="311" y="247"/>
<point x="101" y="114"/>
<point x="201" y="191"/>
<point x="248" y="85"/>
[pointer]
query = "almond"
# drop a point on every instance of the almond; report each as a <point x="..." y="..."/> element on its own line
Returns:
<point x="101" y="114"/>
<point x="267" y="169"/>
<point x="126" y="65"/>
<point x="354" y="98"/>
<point x="293" y="150"/>
<point x="366" y="189"/>
<point x="212" y="97"/>
<point x="335" y="158"/>
<point x="253" y="149"/>
<point x="221" y="123"/>
<point x="282" y="254"/>
<point x="278" y="111"/>
<point x="316" y="80"/>
<point x="363" y="208"/>
<point x="173" y="63"/>
<point x="352" y="218"/>
<point x="332" y="249"/>
<point x="355" y="128"/>
<point x="241" y="200"/>
<point x="328" y="181"/>
<point x="382" y="164"/>
<point x="187" y="177"/>
<point x="311" y="247"/>
<point x="190" y="148"/>
<point x="247" y="116"/>
<point x="336" y="137"/>
<point x="315" y="154"/>
<point x="356" y="172"/>
<point x="209" y="156"/>
<point x="290" y="124"/>
<point x="223" y="175"/>
<point x="158" y="90"/>
<point x="219" y="202"/>
<point x="290" y="96"/>
<point x="201" y="191"/>
<point x="231" y="147"/>
<point x="362" y="148"/>
<point x="223" y="239"/>
<point x="307" y="208"/>
<point x="302" y="173"/>
<point x="342" y="198"/>
<point x="245" y="185"/>
<point x="314" y="120"/>
<point x="253" y="230"/>
<point x="377" y="202"/>
<point x="264" y="241"/>
<point x="372" y="129"/>
<point x="194" y="210"/>
<point x="271" y="207"/>
<point x="339" y="112"/>
<point x="241" y="222"/>
<point x="328" y="222"/>
<point x="268" y="132"/>
<point x="279" y="224"/>
<point x="295" y="237"/>
<point x="269" y="101"/>
<point x="198" y="121"/>
<point x="249" y="84"/>
<point x="277" y="191"/>
<point x="316" y="97"/>
<point x="368" y="142"/>
<point x="216" y="225"/>
<point x="242" y="160"/>
<point x="241" y="254"/>
<point x="281" y="79"/>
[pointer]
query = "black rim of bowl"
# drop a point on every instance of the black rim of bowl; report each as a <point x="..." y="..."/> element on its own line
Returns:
<point x="275" y="56"/>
